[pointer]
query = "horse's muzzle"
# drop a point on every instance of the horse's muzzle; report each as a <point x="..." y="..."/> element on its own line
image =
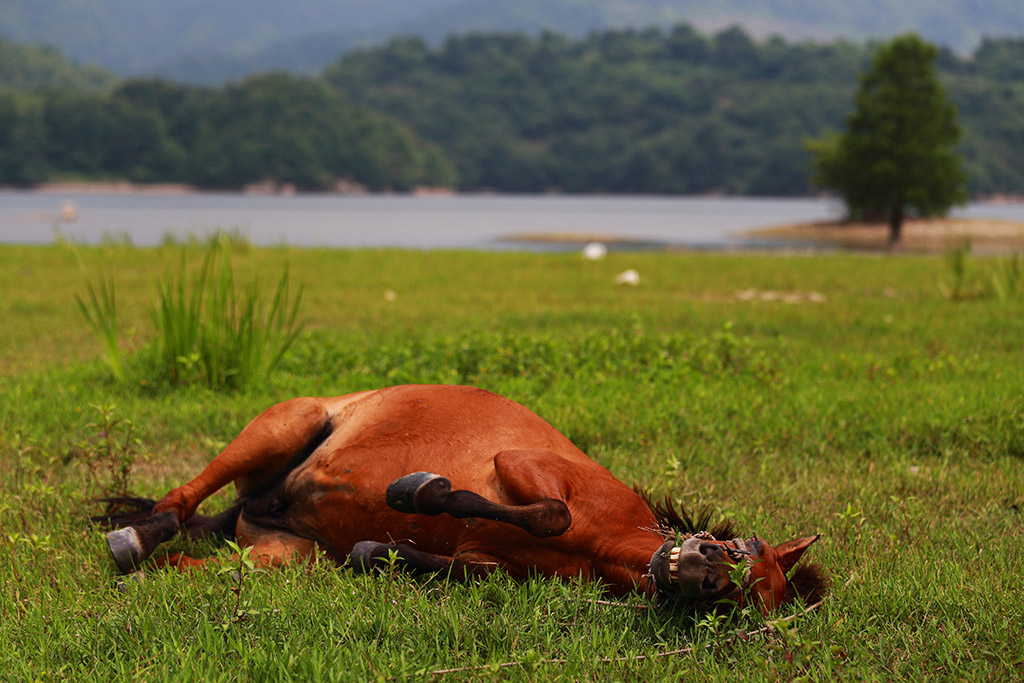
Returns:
<point x="697" y="569"/>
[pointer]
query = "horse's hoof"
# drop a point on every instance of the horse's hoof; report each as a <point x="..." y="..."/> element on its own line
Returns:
<point x="403" y="494"/>
<point x="126" y="549"/>
<point x="363" y="554"/>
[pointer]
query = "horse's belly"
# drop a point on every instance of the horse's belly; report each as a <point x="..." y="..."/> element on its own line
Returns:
<point x="343" y="522"/>
<point x="339" y="498"/>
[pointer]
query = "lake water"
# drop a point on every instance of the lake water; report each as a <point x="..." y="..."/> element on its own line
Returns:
<point x="466" y="222"/>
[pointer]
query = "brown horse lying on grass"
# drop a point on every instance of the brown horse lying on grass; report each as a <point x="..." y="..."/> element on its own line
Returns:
<point x="456" y="480"/>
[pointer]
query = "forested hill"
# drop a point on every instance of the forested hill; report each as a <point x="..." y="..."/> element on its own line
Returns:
<point x="666" y="112"/>
<point x="272" y="128"/>
<point x="202" y="41"/>
<point x="618" y="111"/>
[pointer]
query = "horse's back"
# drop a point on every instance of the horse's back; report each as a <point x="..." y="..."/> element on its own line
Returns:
<point x="456" y="429"/>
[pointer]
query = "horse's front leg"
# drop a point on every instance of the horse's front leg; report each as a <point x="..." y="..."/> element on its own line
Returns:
<point x="537" y="511"/>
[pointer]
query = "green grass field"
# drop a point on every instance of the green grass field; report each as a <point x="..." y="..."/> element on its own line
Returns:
<point x="867" y="407"/>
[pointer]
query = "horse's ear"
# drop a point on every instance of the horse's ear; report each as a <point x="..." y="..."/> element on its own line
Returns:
<point x="789" y="553"/>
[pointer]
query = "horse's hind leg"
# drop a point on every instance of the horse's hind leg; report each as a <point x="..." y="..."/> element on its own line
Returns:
<point x="136" y="530"/>
<point x="131" y="545"/>
<point x="267" y="449"/>
<point x="541" y="510"/>
<point x="271" y="445"/>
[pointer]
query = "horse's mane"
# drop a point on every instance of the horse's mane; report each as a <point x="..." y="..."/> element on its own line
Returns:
<point x="675" y="519"/>
<point x="808" y="582"/>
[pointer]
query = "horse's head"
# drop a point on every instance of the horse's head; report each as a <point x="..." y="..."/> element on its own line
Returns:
<point x="704" y="569"/>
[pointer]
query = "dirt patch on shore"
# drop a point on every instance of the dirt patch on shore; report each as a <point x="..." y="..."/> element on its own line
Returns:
<point x="572" y="239"/>
<point x="113" y="187"/>
<point x="937" y="235"/>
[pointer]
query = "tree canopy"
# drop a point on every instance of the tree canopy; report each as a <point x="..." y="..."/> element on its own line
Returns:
<point x="660" y="112"/>
<point x="619" y="111"/>
<point x="896" y="155"/>
<point x="625" y="111"/>
<point x="275" y="127"/>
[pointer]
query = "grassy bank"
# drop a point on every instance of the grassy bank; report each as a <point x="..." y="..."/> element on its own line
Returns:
<point x="838" y="394"/>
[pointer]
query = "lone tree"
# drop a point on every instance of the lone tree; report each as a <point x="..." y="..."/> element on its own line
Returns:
<point x="896" y="156"/>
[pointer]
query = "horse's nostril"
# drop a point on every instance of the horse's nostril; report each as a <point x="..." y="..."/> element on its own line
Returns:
<point x="711" y="551"/>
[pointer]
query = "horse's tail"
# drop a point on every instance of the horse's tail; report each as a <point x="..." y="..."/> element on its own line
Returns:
<point x="123" y="511"/>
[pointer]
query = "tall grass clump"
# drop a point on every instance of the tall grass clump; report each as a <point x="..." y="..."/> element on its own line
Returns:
<point x="234" y="239"/>
<point x="100" y="311"/>
<point x="1007" y="277"/>
<point x="211" y="331"/>
<point x="1003" y="280"/>
<point x="960" y="286"/>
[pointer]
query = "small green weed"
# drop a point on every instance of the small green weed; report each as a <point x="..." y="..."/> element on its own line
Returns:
<point x="239" y="570"/>
<point x="109" y="451"/>
<point x="852" y="520"/>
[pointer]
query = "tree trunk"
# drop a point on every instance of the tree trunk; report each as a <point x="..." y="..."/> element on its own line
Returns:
<point x="895" y="226"/>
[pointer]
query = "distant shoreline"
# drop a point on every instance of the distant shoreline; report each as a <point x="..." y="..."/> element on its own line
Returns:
<point x="113" y="187"/>
<point x="348" y="188"/>
<point x="124" y="187"/>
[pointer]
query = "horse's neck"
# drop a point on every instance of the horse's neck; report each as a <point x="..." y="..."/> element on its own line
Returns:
<point x="625" y="561"/>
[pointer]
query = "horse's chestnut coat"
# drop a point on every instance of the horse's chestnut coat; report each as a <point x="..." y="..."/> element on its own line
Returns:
<point x="452" y="479"/>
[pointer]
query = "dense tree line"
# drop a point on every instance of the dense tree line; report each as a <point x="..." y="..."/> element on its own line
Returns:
<point x="655" y="111"/>
<point x="621" y="111"/>
<point x="618" y="111"/>
<point x="273" y="127"/>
